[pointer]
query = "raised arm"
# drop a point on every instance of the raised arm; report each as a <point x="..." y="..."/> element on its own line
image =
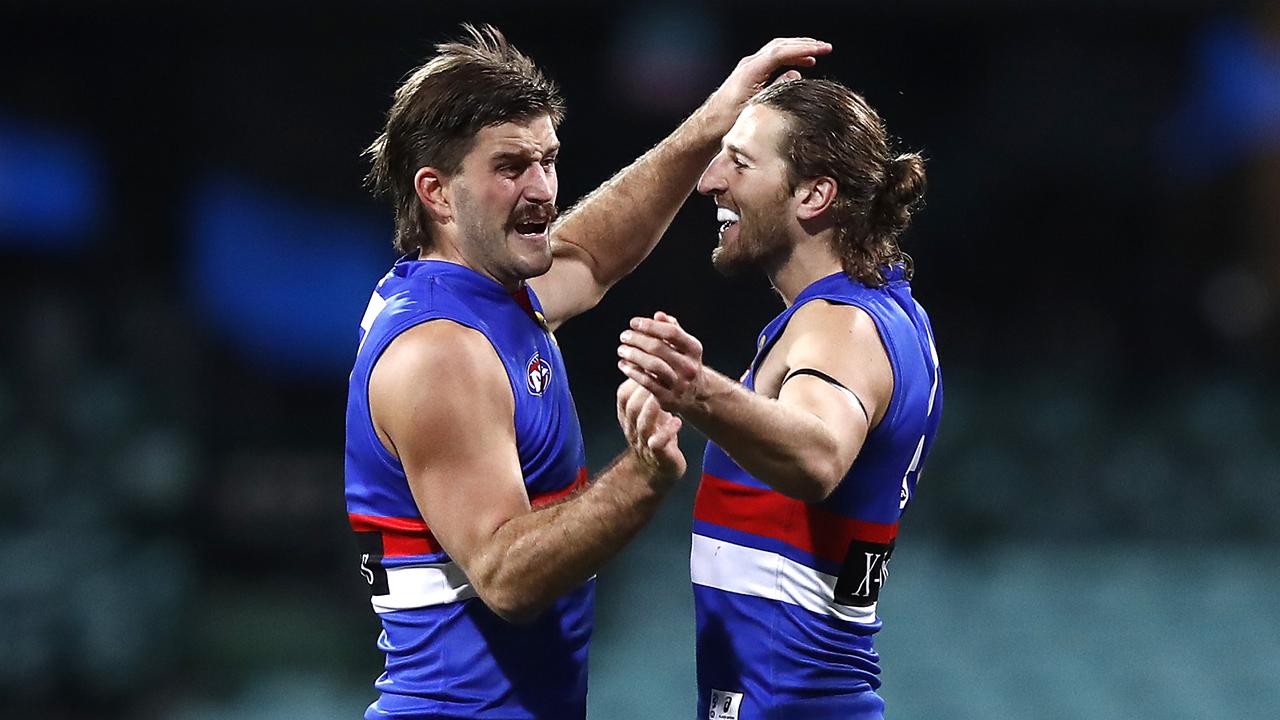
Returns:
<point x="610" y="231"/>
<point x="802" y="440"/>
<point x="442" y="403"/>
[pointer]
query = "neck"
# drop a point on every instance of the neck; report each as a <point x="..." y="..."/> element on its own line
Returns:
<point x="810" y="260"/>
<point x="449" y="252"/>
<point x="444" y="247"/>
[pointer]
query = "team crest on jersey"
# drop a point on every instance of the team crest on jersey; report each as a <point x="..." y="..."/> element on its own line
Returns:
<point x="537" y="375"/>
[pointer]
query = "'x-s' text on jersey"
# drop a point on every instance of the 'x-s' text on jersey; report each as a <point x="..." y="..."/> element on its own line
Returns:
<point x="786" y="591"/>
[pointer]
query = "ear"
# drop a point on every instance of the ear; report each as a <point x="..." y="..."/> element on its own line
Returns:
<point x="815" y="197"/>
<point x="433" y="192"/>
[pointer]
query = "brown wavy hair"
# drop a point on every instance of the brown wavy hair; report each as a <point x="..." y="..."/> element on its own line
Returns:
<point x="833" y="132"/>
<point x="477" y="82"/>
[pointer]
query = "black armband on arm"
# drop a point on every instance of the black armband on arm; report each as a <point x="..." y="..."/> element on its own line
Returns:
<point x="831" y="381"/>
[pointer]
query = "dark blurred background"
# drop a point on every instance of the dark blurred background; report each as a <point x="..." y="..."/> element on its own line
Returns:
<point x="186" y="251"/>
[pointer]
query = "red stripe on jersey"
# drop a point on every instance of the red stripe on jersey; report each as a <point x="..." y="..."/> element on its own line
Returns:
<point x="400" y="536"/>
<point x="411" y="536"/>
<point x="771" y="514"/>
<point x="549" y="497"/>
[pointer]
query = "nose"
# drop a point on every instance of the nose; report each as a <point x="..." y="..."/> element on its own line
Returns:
<point x="541" y="185"/>
<point x="712" y="181"/>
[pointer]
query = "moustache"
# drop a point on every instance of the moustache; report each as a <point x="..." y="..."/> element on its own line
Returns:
<point x="544" y="213"/>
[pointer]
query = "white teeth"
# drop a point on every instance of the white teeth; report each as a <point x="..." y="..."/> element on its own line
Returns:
<point x="726" y="215"/>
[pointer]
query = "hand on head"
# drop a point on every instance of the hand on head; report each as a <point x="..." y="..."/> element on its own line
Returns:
<point x="753" y="72"/>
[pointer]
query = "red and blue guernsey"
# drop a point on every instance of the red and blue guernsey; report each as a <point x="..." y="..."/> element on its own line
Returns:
<point x="448" y="655"/>
<point x="785" y="590"/>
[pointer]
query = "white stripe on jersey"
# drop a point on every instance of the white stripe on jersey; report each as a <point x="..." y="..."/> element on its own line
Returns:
<point x="760" y="573"/>
<point x="423" y="586"/>
<point x="371" y="313"/>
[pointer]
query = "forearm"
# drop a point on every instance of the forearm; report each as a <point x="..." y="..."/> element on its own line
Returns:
<point x="534" y="558"/>
<point x="619" y="223"/>
<point x="787" y="448"/>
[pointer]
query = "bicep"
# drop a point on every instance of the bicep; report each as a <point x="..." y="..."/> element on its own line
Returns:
<point x="838" y="411"/>
<point x="444" y="400"/>
<point x="851" y="382"/>
<point x="570" y="287"/>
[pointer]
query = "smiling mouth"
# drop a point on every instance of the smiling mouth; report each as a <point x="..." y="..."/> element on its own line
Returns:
<point x="726" y="217"/>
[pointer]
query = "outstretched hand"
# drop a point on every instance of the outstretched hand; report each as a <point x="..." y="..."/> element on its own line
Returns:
<point x="754" y="71"/>
<point x="652" y="433"/>
<point x="659" y="356"/>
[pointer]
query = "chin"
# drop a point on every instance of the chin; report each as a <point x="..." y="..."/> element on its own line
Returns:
<point x="739" y="257"/>
<point x="540" y="270"/>
<point x="535" y="266"/>
<point x="727" y="263"/>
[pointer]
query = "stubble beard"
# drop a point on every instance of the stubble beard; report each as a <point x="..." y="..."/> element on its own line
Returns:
<point x="762" y="242"/>
<point x="488" y="242"/>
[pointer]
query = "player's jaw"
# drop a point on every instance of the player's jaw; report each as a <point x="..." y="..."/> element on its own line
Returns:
<point x="750" y="235"/>
<point x="509" y="247"/>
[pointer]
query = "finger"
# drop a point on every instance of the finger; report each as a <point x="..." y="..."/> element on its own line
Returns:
<point x="683" y="365"/>
<point x="788" y="52"/>
<point x="629" y="417"/>
<point x="757" y="68"/>
<point x="668" y="432"/>
<point x="654" y="346"/>
<point x="666" y="317"/>
<point x="643" y="379"/>
<point x="669" y="332"/>
<point x="787" y="76"/>
<point x="653" y="415"/>
<point x="652" y="364"/>
<point x="635" y="402"/>
<point x="812" y="46"/>
<point x="640" y="377"/>
<point x="625" y="390"/>
<point x="647" y="421"/>
<point x="644" y="342"/>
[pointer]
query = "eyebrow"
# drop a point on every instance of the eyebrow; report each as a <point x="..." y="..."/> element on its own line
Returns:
<point x="738" y="151"/>
<point x="522" y="155"/>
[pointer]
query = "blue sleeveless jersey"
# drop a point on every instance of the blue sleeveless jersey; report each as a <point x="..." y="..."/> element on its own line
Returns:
<point x="786" y="591"/>
<point x="447" y="654"/>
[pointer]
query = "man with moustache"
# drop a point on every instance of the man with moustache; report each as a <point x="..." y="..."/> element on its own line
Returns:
<point x="465" y="472"/>
<point x="816" y="453"/>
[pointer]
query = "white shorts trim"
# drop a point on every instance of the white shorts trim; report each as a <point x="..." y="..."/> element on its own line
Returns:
<point x="423" y="586"/>
<point x="747" y="571"/>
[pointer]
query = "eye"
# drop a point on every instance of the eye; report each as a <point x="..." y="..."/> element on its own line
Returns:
<point x="738" y="163"/>
<point x="550" y="162"/>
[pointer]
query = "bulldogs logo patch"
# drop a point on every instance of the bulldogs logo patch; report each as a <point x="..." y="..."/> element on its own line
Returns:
<point x="537" y="375"/>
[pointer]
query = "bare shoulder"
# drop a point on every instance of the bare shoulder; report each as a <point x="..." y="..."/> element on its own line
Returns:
<point x="437" y="370"/>
<point x="438" y="346"/>
<point x="833" y="325"/>
<point x="843" y="342"/>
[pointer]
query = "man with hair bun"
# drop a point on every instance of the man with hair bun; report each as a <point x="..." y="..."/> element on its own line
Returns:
<point x="815" y="453"/>
<point x="465" y="472"/>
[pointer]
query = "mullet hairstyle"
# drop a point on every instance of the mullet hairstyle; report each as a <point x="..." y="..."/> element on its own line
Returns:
<point x="833" y="132"/>
<point x="477" y="82"/>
